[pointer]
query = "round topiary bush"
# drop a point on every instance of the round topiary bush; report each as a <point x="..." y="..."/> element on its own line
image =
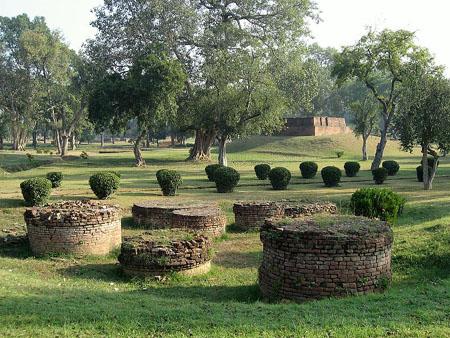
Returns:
<point x="55" y="177"/>
<point x="169" y="181"/>
<point x="379" y="175"/>
<point x="262" y="171"/>
<point x="308" y="169"/>
<point x="36" y="191"/>
<point x="104" y="184"/>
<point x="331" y="176"/>
<point x="419" y="169"/>
<point x="351" y="168"/>
<point x="226" y="179"/>
<point x="377" y="203"/>
<point x="392" y="167"/>
<point x="210" y="170"/>
<point x="279" y="178"/>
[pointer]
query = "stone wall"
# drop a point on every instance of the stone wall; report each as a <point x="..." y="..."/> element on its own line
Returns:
<point x="74" y="227"/>
<point x="314" y="126"/>
<point x="303" y="262"/>
<point x="141" y="257"/>
<point x="207" y="221"/>
<point x="251" y="215"/>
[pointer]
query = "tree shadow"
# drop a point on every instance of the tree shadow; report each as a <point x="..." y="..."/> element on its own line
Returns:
<point x="238" y="260"/>
<point x="16" y="247"/>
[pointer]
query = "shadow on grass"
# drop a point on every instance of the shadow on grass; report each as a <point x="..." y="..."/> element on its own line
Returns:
<point x="238" y="260"/>
<point x="18" y="248"/>
<point x="109" y="272"/>
<point x="11" y="203"/>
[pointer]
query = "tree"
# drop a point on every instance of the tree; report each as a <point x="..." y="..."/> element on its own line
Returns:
<point x="423" y="118"/>
<point x="365" y="118"/>
<point x="386" y="55"/>
<point x="147" y="93"/>
<point x="196" y="33"/>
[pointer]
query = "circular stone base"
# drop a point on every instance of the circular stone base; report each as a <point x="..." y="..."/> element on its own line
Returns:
<point x="158" y="214"/>
<point x="324" y="256"/>
<point x="207" y="221"/>
<point x="74" y="227"/>
<point x="251" y="215"/>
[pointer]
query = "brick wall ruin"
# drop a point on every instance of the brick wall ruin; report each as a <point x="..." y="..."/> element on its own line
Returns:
<point x="314" y="126"/>
<point x="74" y="227"/>
<point x="303" y="261"/>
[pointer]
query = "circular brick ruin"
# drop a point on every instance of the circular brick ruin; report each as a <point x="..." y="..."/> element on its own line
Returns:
<point x="324" y="256"/>
<point x="74" y="227"/>
<point x="151" y="254"/>
<point x="198" y="217"/>
<point x="209" y="221"/>
<point x="251" y="215"/>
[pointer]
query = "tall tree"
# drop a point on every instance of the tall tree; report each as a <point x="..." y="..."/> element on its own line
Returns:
<point x="423" y="118"/>
<point x="386" y="54"/>
<point x="147" y="93"/>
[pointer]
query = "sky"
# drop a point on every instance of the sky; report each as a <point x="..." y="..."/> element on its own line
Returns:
<point x="343" y="21"/>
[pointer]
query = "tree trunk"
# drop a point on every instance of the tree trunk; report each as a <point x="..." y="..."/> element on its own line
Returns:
<point x="1" y="142"/>
<point x="139" y="160"/>
<point x="102" y="140"/>
<point x="172" y="140"/>
<point x="380" y="146"/>
<point x="64" y="145"/>
<point x="223" y="150"/>
<point x="73" y="142"/>
<point x="201" y="151"/>
<point x="147" y="139"/>
<point x="34" y="134"/>
<point x="45" y="135"/>
<point x="58" y="140"/>
<point x="364" y="148"/>
<point x="428" y="173"/>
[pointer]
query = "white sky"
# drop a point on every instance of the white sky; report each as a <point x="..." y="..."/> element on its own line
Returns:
<point x="344" y="21"/>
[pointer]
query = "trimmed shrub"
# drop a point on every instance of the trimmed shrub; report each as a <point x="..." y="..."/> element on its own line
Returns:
<point x="392" y="167"/>
<point x="210" y="170"/>
<point x="379" y="175"/>
<point x="308" y="169"/>
<point x="169" y="181"/>
<point x="36" y="191"/>
<point x="115" y="173"/>
<point x="351" y="168"/>
<point x="419" y="170"/>
<point x="262" y="171"/>
<point x="226" y="179"/>
<point x="55" y="177"/>
<point x="104" y="184"/>
<point x="339" y="153"/>
<point x="30" y="157"/>
<point x="331" y="176"/>
<point x="279" y="178"/>
<point x="377" y="203"/>
<point x="84" y="155"/>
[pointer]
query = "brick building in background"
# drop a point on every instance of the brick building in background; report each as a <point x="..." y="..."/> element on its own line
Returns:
<point x="314" y="126"/>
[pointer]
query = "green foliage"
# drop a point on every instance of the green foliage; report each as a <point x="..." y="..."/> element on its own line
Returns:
<point x="226" y="179"/>
<point x="379" y="175"/>
<point x="30" y="157"/>
<point x="169" y="181"/>
<point x="377" y="203"/>
<point x="279" y="178"/>
<point x="262" y="171"/>
<point x="331" y="176"/>
<point x="392" y="167"/>
<point x="55" y="177"/>
<point x="210" y="170"/>
<point x="351" y="168"/>
<point x="36" y="191"/>
<point x="104" y="184"/>
<point x="308" y="169"/>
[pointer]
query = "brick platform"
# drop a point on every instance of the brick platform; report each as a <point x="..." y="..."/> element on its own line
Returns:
<point x="308" y="258"/>
<point x="251" y="215"/>
<point x="209" y="221"/>
<point x="141" y="256"/>
<point x="158" y="214"/>
<point x="74" y="227"/>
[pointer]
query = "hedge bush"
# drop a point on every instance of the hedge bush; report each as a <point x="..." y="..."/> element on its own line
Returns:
<point x="226" y="179"/>
<point x="211" y="169"/>
<point x="262" y="171"/>
<point x="55" y="177"/>
<point x="308" y="169"/>
<point x="279" y="178"/>
<point x="377" y="203"/>
<point x="104" y="184"/>
<point x="36" y="191"/>
<point x="351" y="168"/>
<point x="169" y="181"/>
<point x="419" y="169"/>
<point x="84" y="155"/>
<point x="331" y="176"/>
<point x="379" y="175"/>
<point x="392" y="167"/>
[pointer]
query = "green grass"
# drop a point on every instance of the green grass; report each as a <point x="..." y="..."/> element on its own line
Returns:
<point x="69" y="296"/>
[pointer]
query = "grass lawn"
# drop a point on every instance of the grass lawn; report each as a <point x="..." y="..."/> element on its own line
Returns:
<point x="85" y="297"/>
